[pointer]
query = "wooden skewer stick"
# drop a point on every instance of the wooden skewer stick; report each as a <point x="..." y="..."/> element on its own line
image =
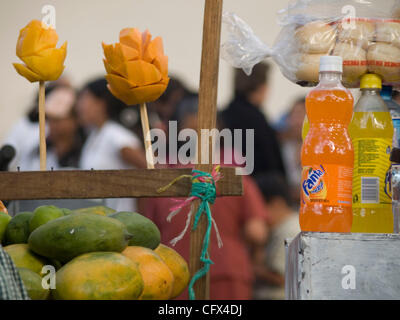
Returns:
<point x="42" y="126"/>
<point x="206" y="120"/>
<point x="146" y="135"/>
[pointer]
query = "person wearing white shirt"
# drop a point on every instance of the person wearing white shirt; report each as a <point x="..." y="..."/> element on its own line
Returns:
<point x="109" y="145"/>
<point x="24" y="137"/>
<point x="65" y="137"/>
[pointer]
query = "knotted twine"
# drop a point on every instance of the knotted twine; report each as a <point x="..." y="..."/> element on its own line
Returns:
<point x="203" y="189"/>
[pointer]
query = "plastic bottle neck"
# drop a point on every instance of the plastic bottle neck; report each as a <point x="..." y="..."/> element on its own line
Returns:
<point x="370" y="91"/>
<point x="330" y="77"/>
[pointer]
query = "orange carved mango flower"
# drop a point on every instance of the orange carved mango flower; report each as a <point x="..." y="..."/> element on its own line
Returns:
<point x="137" y="69"/>
<point x="3" y="207"/>
<point x="36" y="47"/>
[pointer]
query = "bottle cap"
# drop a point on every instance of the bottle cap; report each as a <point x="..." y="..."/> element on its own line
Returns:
<point x="395" y="155"/>
<point x="331" y="63"/>
<point x="371" y="81"/>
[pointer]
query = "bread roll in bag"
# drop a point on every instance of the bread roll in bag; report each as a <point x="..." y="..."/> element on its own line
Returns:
<point x="315" y="37"/>
<point x="384" y="59"/>
<point x="354" y="61"/>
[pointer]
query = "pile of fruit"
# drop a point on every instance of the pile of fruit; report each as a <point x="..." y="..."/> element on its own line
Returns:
<point x="98" y="254"/>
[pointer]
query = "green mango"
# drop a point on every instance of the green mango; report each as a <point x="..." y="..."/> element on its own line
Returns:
<point x="18" y="229"/>
<point x="44" y="214"/>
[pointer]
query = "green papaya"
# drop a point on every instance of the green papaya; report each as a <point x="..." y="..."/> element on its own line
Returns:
<point x="144" y="231"/>
<point x="55" y="263"/>
<point x="64" y="238"/>
<point x="33" y="284"/>
<point x="101" y="210"/>
<point x="18" y="228"/>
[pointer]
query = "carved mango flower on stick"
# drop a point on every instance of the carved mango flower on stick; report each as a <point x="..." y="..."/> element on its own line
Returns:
<point x="137" y="72"/>
<point x="36" y="47"/>
<point x="43" y="61"/>
<point x="137" y="69"/>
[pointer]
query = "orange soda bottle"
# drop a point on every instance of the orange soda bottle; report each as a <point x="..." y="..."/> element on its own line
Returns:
<point x="327" y="154"/>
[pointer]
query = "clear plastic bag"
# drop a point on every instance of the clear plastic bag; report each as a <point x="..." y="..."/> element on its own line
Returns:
<point x="366" y="34"/>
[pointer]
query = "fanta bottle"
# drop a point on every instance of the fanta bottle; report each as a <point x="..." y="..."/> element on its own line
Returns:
<point x="371" y="131"/>
<point x="327" y="154"/>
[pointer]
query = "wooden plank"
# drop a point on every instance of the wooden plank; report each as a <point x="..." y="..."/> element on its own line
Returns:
<point x="137" y="183"/>
<point x="206" y="120"/>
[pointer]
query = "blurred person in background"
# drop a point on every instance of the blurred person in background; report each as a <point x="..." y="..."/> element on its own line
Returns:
<point x="166" y="107"/>
<point x="290" y="136"/>
<point x="24" y="135"/>
<point x="167" y="104"/>
<point x="245" y="112"/>
<point x="130" y="119"/>
<point x="109" y="145"/>
<point x="65" y="137"/>
<point x="283" y="222"/>
<point x="240" y="221"/>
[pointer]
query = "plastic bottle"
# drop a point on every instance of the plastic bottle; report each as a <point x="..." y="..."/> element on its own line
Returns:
<point x="371" y="131"/>
<point x="327" y="154"/>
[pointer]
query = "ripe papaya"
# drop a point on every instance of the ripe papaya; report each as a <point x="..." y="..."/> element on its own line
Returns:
<point x="144" y="231"/>
<point x="18" y="228"/>
<point x="33" y="284"/>
<point x="101" y="210"/>
<point x="157" y="277"/>
<point x="178" y="266"/>
<point x="98" y="276"/>
<point x="68" y="237"/>
<point x="25" y="258"/>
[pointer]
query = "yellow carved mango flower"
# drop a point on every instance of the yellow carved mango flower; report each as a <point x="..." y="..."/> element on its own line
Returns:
<point x="36" y="47"/>
<point x="137" y="69"/>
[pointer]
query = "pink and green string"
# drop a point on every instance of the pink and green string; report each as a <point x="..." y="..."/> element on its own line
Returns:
<point x="203" y="189"/>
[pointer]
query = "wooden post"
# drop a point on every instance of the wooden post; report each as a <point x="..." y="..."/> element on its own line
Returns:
<point x="207" y="115"/>
<point x="42" y="126"/>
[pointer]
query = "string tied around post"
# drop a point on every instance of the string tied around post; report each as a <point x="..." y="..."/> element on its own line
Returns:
<point x="203" y="189"/>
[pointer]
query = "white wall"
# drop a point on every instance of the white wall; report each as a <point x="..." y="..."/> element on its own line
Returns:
<point x="86" y="23"/>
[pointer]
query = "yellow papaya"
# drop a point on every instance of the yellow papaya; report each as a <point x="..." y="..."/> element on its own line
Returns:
<point x="25" y="258"/>
<point x="178" y="266"/>
<point x="157" y="277"/>
<point x="101" y="210"/>
<point x="98" y="276"/>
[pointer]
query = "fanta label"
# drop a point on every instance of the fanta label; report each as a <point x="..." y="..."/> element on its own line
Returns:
<point x="327" y="184"/>
<point x="314" y="183"/>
